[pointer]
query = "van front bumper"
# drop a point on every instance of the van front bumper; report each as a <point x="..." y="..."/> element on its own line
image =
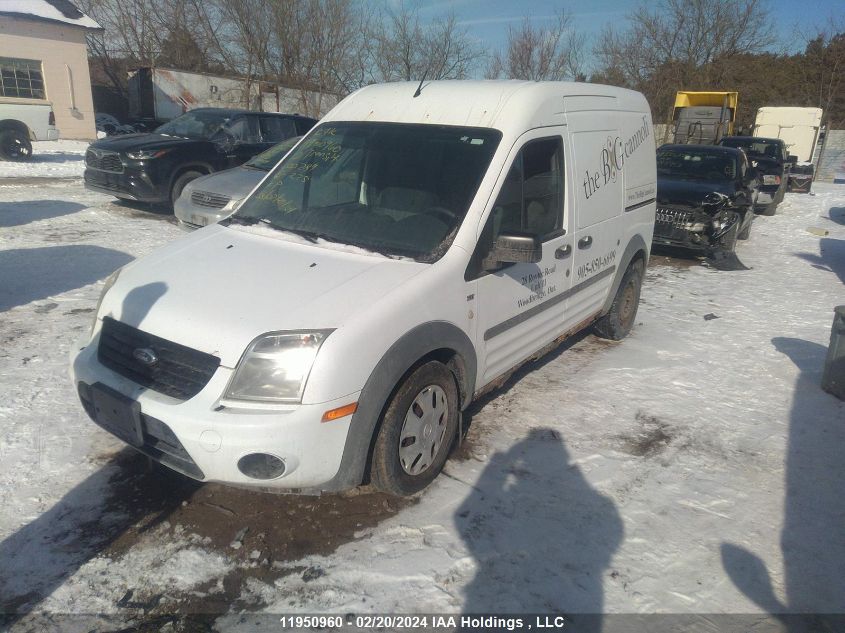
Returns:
<point x="206" y="441"/>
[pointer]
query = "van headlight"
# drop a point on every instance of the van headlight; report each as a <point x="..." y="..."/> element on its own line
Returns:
<point x="275" y="367"/>
<point x="110" y="281"/>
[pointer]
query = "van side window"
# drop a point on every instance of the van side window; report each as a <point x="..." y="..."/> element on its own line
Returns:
<point x="530" y="200"/>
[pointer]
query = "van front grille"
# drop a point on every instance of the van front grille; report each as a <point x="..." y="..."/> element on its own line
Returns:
<point x="155" y="363"/>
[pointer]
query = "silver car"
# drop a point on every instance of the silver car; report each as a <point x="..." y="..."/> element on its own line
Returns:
<point x="211" y="198"/>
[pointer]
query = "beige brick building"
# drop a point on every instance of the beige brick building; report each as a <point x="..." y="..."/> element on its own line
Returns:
<point x="44" y="57"/>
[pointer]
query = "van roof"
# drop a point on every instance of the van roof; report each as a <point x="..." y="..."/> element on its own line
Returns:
<point x="510" y="106"/>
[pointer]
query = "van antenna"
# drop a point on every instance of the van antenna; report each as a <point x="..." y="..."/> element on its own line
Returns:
<point x="419" y="88"/>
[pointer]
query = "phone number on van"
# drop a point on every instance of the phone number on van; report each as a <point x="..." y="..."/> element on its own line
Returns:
<point x="595" y="265"/>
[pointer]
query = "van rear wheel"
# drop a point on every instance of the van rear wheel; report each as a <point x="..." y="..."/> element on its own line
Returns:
<point x="417" y="431"/>
<point x="617" y="323"/>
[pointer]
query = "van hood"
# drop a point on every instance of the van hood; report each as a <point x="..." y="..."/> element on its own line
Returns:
<point x="219" y="288"/>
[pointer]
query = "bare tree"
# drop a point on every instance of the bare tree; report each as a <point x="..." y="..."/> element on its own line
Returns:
<point x="552" y="51"/>
<point x="678" y="42"/>
<point x="822" y="70"/>
<point x="407" y="49"/>
<point x="150" y="32"/>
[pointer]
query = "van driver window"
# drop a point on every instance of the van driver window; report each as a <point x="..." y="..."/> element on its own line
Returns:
<point x="531" y="199"/>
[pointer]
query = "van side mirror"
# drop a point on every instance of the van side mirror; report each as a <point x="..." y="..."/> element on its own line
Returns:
<point x="792" y="158"/>
<point x="514" y="248"/>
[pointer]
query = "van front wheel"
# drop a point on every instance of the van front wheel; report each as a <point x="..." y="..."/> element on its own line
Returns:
<point x="619" y="320"/>
<point x="416" y="431"/>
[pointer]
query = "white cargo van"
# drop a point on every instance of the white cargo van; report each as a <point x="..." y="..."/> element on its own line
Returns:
<point x="418" y="245"/>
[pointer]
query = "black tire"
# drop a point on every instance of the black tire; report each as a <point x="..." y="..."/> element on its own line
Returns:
<point x="389" y="472"/>
<point x="727" y="242"/>
<point x="180" y="182"/>
<point x="15" y="146"/>
<point x="770" y="209"/>
<point x="617" y="323"/>
<point x="746" y="232"/>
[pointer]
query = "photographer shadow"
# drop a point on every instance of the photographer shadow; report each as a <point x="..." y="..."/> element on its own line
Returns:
<point x="813" y="533"/>
<point x="541" y="535"/>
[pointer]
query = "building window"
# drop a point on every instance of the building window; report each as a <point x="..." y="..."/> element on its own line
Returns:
<point x="21" y="78"/>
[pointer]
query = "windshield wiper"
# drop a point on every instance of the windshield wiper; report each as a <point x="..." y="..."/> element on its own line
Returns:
<point x="241" y="219"/>
<point x="311" y="236"/>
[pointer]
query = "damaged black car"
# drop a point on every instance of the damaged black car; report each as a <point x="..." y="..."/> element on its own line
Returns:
<point x="705" y="198"/>
<point x="772" y="162"/>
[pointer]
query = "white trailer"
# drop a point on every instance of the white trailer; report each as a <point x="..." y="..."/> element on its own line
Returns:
<point x="163" y="94"/>
<point x="798" y="127"/>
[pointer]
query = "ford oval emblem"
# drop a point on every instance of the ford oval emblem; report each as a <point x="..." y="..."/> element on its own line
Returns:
<point x="145" y="356"/>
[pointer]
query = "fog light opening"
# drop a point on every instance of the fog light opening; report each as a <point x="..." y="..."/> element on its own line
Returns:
<point x="261" y="466"/>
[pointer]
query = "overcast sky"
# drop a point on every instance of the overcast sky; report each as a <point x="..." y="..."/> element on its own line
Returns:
<point x="488" y="20"/>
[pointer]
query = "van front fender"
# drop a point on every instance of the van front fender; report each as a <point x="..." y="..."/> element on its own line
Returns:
<point x="420" y="342"/>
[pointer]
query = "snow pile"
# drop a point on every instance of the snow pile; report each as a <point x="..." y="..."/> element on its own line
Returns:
<point x="171" y="563"/>
<point x="50" y="159"/>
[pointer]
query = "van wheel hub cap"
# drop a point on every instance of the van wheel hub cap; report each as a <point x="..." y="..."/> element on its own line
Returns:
<point x="423" y="430"/>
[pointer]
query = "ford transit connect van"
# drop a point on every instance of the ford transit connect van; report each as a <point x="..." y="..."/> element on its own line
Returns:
<point x="418" y="245"/>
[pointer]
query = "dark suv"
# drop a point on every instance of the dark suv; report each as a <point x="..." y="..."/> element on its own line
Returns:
<point x="156" y="167"/>
<point x="773" y="164"/>
<point x="705" y="197"/>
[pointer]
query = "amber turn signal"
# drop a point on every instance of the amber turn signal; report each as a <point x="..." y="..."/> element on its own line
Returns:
<point x="341" y="412"/>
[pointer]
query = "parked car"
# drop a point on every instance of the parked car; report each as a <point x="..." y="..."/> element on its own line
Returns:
<point x="156" y="167"/>
<point x="21" y="123"/>
<point x="211" y="198"/>
<point x="705" y="197"/>
<point x="770" y="159"/>
<point x="410" y="253"/>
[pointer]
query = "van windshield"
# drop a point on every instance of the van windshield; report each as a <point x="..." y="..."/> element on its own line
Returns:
<point x="392" y="188"/>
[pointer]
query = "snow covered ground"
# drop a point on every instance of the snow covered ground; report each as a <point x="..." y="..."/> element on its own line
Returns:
<point x="50" y="159"/>
<point x="695" y="467"/>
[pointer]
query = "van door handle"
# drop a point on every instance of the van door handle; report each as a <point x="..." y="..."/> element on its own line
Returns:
<point x="585" y="242"/>
<point x="563" y="252"/>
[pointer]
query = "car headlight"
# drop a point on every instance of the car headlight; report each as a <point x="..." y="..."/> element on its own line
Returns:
<point x="110" y="281"/>
<point x="233" y="205"/>
<point x="147" y="154"/>
<point x="275" y="367"/>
